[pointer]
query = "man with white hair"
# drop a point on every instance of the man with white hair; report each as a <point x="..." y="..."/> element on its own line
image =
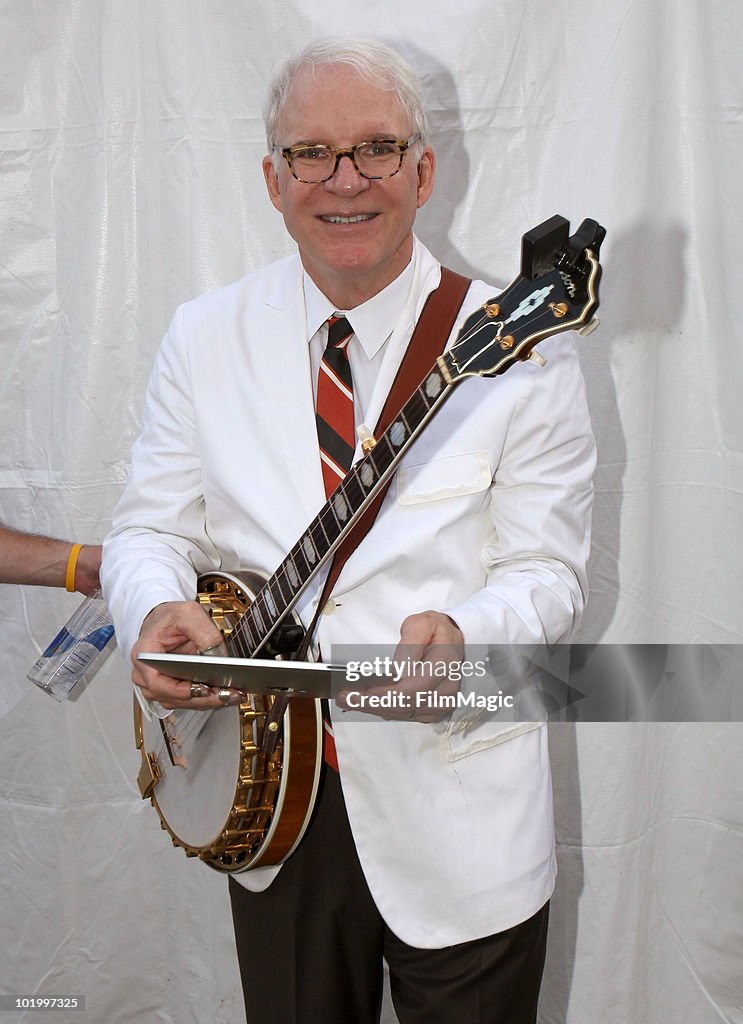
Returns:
<point x="429" y="848"/>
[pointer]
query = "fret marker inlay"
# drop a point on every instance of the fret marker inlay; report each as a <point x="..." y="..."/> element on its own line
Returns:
<point x="341" y="506"/>
<point x="397" y="434"/>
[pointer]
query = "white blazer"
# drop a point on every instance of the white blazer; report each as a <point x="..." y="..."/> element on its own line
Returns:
<point x="487" y="520"/>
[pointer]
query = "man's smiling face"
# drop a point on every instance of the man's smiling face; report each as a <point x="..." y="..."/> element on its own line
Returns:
<point x="354" y="234"/>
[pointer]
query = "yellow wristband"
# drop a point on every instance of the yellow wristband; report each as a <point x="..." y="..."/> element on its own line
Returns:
<point x="69" y="580"/>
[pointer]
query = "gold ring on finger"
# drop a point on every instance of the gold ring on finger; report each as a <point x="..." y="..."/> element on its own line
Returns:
<point x="224" y="696"/>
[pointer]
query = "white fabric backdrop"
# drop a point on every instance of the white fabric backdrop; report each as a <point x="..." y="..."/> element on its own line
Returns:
<point x="130" y="181"/>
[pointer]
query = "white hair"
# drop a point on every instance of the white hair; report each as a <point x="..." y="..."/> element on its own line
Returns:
<point x="373" y="60"/>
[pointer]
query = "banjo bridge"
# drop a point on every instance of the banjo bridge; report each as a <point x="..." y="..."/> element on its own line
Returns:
<point x="173" y="742"/>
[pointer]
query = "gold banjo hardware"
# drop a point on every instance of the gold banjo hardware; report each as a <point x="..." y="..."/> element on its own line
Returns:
<point x="273" y="795"/>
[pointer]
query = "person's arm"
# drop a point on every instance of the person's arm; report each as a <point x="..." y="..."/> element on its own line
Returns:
<point x="34" y="560"/>
<point x="159" y="541"/>
<point x="536" y="553"/>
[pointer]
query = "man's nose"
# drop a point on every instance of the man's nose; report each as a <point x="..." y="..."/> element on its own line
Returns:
<point x="346" y="177"/>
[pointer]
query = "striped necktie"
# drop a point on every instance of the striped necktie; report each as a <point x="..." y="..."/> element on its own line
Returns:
<point x="335" y="422"/>
<point x="336" y="435"/>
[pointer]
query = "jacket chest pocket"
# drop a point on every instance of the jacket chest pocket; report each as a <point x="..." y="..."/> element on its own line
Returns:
<point x="449" y="477"/>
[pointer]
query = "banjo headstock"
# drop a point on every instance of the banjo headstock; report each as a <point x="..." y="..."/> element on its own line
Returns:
<point x="556" y="290"/>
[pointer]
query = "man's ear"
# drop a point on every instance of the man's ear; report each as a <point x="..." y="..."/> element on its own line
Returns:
<point x="426" y="175"/>
<point x="272" y="182"/>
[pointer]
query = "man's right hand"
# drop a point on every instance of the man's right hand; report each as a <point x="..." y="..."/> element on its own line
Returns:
<point x="177" y="627"/>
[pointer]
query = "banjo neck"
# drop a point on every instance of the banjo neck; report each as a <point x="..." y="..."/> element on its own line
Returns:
<point x="338" y="516"/>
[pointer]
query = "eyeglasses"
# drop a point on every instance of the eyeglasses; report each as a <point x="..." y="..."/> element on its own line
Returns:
<point x="374" y="160"/>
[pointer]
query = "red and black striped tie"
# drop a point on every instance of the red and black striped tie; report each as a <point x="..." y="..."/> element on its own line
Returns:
<point x="335" y="422"/>
<point x="336" y="434"/>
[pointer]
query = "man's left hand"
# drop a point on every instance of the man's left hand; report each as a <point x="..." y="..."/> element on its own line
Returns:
<point x="430" y="644"/>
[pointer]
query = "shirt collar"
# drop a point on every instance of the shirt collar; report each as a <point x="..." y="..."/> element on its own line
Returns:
<point x="373" y="321"/>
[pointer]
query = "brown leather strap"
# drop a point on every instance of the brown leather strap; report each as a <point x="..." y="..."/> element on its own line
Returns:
<point x="427" y="343"/>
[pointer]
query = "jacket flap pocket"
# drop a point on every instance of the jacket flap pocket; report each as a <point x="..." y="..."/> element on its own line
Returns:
<point x="443" y="478"/>
<point x="462" y="743"/>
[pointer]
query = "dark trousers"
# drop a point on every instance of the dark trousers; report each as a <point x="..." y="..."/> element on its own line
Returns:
<point x="310" y="947"/>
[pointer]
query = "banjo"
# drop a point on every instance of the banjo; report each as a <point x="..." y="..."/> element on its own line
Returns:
<point x="236" y="786"/>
